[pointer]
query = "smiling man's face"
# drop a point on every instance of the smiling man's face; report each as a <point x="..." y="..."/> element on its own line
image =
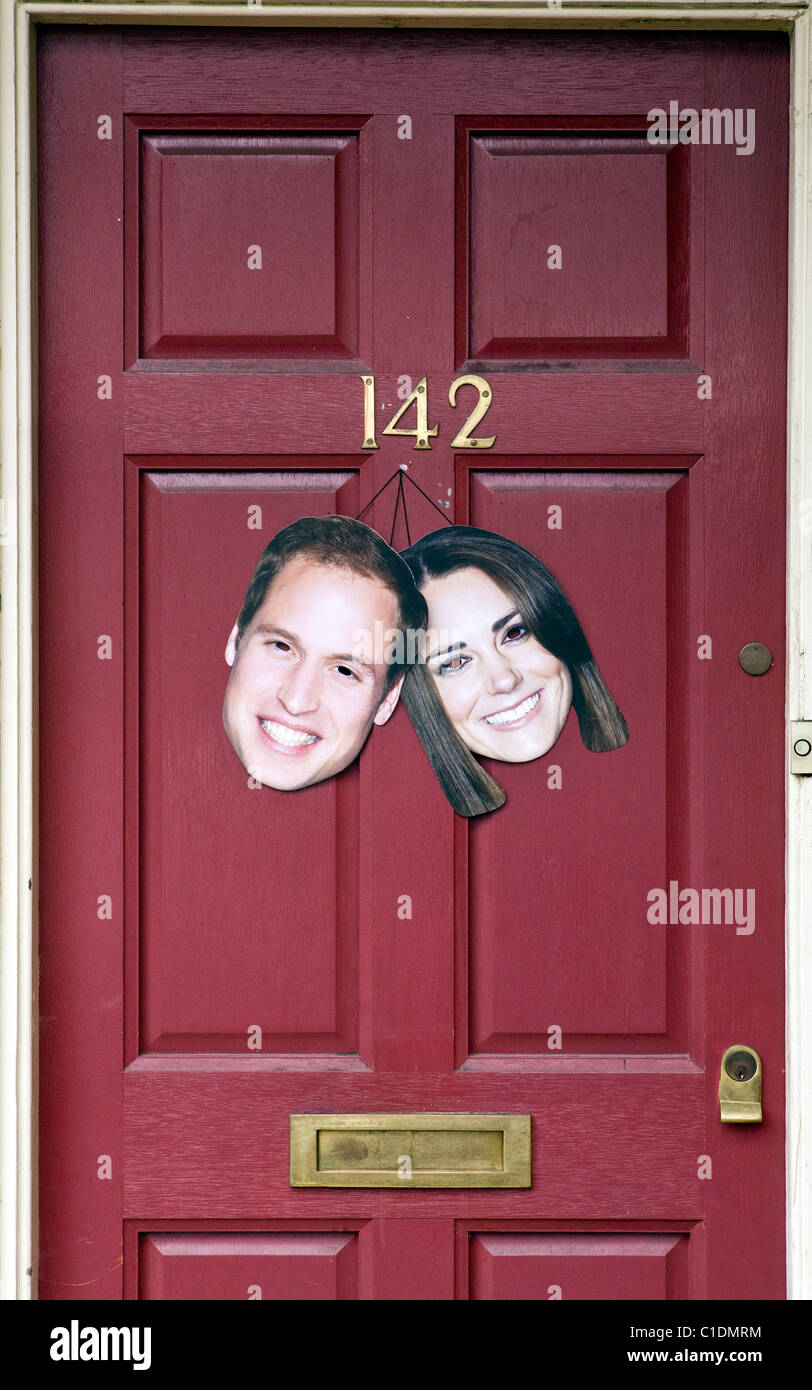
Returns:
<point x="302" y="696"/>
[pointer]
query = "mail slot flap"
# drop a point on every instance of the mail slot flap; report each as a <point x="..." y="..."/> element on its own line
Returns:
<point x="410" y="1150"/>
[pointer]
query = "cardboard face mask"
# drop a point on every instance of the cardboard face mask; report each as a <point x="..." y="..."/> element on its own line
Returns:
<point x="507" y="696"/>
<point x="305" y="687"/>
<point x="506" y="660"/>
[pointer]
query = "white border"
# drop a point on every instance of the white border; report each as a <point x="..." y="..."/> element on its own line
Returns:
<point x="17" y="560"/>
<point x="799" y="674"/>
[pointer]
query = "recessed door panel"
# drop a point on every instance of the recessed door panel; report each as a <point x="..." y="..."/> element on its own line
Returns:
<point x="235" y="213"/>
<point x="562" y="953"/>
<point x="524" y="1266"/>
<point x="249" y="1266"/>
<point x="248" y="897"/>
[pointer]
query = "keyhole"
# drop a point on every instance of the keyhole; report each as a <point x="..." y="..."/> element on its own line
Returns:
<point x="741" y="1065"/>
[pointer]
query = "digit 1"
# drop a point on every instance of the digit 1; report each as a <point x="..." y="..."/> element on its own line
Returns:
<point x="369" y="413"/>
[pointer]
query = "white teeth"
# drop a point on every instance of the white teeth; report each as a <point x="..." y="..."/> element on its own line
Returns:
<point x="292" y="738"/>
<point x="510" y="716"/>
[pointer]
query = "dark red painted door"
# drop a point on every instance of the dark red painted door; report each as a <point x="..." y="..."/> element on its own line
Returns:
<point x="216" y="957"/>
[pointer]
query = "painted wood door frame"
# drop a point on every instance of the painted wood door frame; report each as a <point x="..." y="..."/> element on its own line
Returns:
<point x="18" y="623"/>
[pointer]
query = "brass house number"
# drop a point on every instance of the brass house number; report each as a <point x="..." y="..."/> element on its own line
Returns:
<point x="421" y="432"/>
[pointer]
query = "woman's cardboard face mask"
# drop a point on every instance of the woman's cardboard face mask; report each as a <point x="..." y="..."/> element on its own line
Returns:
<point x="506" y="695"/>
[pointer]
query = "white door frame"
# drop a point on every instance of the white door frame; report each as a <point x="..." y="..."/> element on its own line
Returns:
<point x="18" y="797"/>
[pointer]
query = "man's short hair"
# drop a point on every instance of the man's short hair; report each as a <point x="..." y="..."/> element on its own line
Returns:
<point x="344" y="543"/>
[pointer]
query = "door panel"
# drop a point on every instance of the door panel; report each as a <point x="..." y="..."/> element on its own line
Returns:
<point x="288" y="961"/>
<point x="239" y="214"/>
<point x="292" y="1265"/>
<point x="521" y="1266"/>
<point x="622" y="291"/>
<point x="260" y="229"/>
<point x="569" y="944"/>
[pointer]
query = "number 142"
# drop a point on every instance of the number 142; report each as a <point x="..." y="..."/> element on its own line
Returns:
<point x="421" y="432"/>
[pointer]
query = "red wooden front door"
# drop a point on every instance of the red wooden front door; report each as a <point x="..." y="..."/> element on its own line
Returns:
<point x="215" y="956"/>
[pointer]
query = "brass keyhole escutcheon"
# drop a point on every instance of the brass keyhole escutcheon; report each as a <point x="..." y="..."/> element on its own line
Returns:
<point x="740" y="1086"/>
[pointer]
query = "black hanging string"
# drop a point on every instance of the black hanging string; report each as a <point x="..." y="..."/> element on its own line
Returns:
<point x="446" y="519"/>
<point x="405" y="513"/>
<point x="398" y="497"/>
<point x="377" y="494"/>
<point x="400" y="500"/>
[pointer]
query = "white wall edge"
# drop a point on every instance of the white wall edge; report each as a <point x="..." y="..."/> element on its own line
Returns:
<point x="17" y="1039"/>
<point x="799" y="675"/>
<point x="17" y="554"/>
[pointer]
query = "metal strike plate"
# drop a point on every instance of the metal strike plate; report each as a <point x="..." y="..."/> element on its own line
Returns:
<point x="800" y="746"/>
<point x="740" y="1086"/>
<point x="410" y="1150"/>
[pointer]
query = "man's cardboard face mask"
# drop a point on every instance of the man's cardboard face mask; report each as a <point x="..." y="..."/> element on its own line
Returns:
<point x="303" y="694"/>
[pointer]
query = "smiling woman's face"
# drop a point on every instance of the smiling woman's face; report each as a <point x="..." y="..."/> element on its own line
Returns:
<point x="505" y="694"/>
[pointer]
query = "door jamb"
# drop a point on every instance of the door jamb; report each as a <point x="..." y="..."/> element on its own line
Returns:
<point x="18" y="764"/>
